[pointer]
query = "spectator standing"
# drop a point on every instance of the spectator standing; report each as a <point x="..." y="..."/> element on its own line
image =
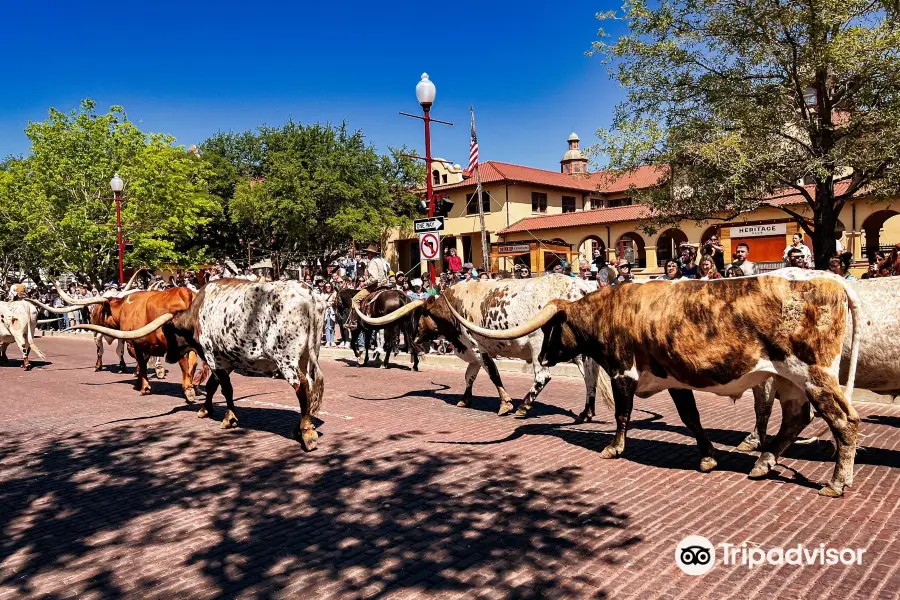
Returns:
<point x="795" y="258"/>
<point x="454" y="263"/>
<point x="706" y="269"/>
<point x="624" y="272"/>
<point x="330" y="298"/>
<point x="672" y="271"/>
<point x="687" y="263"/>
<point x="872" y="273"/>
<point x="840" y="265"/>
<point x="740" y="260"/>
<point x="716" y="250"/>
<point x="588" y="277"/>
<point x="798" y="246"/>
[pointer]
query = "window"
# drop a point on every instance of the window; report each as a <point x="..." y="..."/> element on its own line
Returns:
<point x="436" y="177"/>
<point x="444" y="178"/>
<point x="472" y="202"/>
<point x="568" y="204"/>
<point x="596" y="203"/>
<point x="619" y="202"/>
<point x="538" y="202"/>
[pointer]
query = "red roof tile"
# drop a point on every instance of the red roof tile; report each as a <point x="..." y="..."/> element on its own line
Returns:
<point x="636" y="212"/>
<point x="583" y="217"/>
<point x="600" y="183"/>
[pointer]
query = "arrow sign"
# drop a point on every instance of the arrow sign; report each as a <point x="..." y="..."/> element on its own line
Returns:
<point x="429" y="245"/>
<point x="429" y="224"/>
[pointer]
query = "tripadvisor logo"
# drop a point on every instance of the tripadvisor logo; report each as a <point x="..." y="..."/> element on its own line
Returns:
<point x="696" y="555"/>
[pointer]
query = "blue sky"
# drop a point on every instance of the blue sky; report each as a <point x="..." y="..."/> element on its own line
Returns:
<point x="192" y="68"/>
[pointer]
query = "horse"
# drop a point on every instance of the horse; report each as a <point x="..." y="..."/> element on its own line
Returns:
<point x="381" y="302"/>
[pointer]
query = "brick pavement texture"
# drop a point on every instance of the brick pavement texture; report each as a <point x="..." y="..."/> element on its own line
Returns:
<point x="108" y="494"/>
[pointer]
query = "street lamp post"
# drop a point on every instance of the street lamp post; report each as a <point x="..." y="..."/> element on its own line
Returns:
<point x="425" y="93"/>
<point x="117" y="185"/>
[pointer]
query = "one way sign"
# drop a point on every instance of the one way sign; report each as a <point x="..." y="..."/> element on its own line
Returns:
<point x="429" y="224"/>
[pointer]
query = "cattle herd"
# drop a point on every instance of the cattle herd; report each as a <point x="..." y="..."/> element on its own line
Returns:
<point x="794" y="335"/>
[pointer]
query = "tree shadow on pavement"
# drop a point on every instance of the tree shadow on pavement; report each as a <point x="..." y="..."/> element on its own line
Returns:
<point x="139" y="510"/>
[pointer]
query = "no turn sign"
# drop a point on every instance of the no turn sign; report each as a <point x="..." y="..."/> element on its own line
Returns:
<point x="429" y="245"/>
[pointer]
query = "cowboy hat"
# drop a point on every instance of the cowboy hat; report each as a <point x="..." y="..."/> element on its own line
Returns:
<point x="372" y="248"/>
<point x="416" y="282"/>
<point x="623" y="262"/>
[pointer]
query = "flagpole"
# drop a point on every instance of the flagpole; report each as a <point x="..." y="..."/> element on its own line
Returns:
<point x="485" y="249"/>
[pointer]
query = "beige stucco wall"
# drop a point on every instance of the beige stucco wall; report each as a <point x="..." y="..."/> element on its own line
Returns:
<point x="518" y="206"/>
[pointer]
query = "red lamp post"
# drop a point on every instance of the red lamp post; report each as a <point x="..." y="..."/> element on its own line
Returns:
<point x="117" y="185"/>
<point x="425" y="93"/>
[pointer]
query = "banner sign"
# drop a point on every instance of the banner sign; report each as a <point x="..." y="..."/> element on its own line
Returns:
<point x="513" y="249"/>
<point x="758" y="230"/>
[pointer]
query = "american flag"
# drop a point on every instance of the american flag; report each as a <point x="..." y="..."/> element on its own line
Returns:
<point x="473" y="150"/>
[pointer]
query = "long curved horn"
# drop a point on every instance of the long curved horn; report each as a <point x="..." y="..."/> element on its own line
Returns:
<point x="50" y="309"/>
<point x="390" y="317"/>
<point x="508" y="334"/>
<point x="133" y="277"/>
<point x="47" y="321"/>
<point x="70" y="300"/>
<point x="128" y="335"/>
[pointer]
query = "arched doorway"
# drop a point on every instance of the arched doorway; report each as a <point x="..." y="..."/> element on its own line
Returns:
<point x="710" y="231"/>
<point x="667" y="245"/>
<point x="873" y="226"/>
<point x="630" y="246"/>
<point x="587" y="246"/>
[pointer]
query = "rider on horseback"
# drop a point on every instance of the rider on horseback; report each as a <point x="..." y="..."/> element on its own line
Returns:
<point x="377" y="271"/>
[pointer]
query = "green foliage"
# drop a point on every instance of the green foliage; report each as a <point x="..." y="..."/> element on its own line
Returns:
<point x="305" y="192"/>
<point x="747" y="98"/>
<point x="67" y="210"/>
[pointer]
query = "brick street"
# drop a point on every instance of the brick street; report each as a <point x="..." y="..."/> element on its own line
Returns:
<point x="105" y="493"/>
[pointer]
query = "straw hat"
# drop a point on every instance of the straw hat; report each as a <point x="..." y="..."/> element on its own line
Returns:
<point x="372" y="248"/>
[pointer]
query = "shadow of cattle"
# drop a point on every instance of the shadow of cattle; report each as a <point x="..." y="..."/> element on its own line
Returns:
<point x="149" y="507"/>
<point x="489" y="404"/>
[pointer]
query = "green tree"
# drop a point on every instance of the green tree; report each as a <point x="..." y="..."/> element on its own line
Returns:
<point x="748" y="98"/>
<point x="305" y="192"/>
<point x="63" y="187"/>
<point x="15" y="251"/>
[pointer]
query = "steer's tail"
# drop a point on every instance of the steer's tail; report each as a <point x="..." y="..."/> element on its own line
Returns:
<point x="853" y="304"/>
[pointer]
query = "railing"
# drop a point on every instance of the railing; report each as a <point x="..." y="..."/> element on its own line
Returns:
<point x="884" y="249"/>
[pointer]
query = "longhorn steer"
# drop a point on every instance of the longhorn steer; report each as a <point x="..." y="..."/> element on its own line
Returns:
<point x="132" y="311"/>
<point x="723" y="337"/>
<point x="504" y="303"/>
<point x="878" y="369"/>
<point x="253" y="328"/>
<point x="18" y="321"/>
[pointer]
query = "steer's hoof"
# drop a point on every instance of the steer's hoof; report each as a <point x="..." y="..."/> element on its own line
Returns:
<point x="309" y="439"/>
<point x="160" y="372"/>
<point x="97" y="369"/>
<point x="464" y="403"/>
<point x="230" y="421"/>
<point x="760" y="471"/>
<point x="203" y="413"/>
<point x="523" y="411"/>
<point x="830" y="492"/>
<point x="505" y="409"/>
<point x="583" y="418"/>
<point x="748" y="445"/>
<point x="26" y="367"/>
<point x="145" y="392"/>
<point x="707" y="464"/>
<point x="361" y="360"/>
<point x="610" y="452"/>
<point x="190" y="396"/>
